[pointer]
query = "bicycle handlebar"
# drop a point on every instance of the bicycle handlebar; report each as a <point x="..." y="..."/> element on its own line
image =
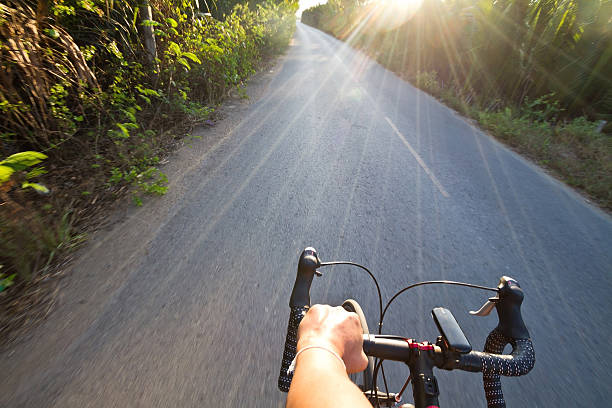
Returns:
<point x="511" y="329"/>
<point x="493" y="364"/>
<point x="299" y="304"/>
<point x="490" y="362"/>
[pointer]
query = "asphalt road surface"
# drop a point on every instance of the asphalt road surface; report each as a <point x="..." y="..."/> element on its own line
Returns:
<point x="184" y="303"/>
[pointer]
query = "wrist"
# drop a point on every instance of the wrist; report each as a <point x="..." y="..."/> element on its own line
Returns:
<point x="321" y="357"/>
<point x="317" y="341"/>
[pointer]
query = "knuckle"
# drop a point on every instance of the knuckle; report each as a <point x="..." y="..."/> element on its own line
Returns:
<point x="315" y="307"/>
<point x="352" y="316"/>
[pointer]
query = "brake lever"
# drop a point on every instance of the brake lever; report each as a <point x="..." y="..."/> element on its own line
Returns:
<point x="508" y="304"/>
<point x="486" y="309"/>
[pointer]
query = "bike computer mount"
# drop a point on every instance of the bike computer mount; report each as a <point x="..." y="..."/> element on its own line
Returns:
<point x="452" y="335"/>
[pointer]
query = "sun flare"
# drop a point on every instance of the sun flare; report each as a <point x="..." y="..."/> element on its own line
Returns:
<point x="393" y="13"/>
<point x="410" y="5"/>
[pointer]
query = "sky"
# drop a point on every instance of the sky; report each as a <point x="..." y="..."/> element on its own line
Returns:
<point x="304" y="4"/>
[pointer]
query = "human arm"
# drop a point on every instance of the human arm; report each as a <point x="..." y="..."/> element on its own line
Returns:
<point x="320" y="378"/>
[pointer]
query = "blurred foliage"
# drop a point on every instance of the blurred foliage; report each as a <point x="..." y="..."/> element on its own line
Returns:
<point x="222" y="8"/>
<point x="30" y="245"/>
<point x="572" y="149"/>
<point x="18" y="162"/>
<point x="506" y="50"/>
<point x="78" y="85"/>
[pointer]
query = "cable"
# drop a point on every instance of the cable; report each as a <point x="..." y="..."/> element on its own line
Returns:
<point x="374" y="386"/>
<point x="441" y="282"/>
<point x="382" y="370"/>
<point x="380" y="320"/>
<point x="380" y="312"/>
<point x="398" y="397"/>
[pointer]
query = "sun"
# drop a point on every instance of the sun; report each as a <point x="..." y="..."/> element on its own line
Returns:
<point x="410" y="5"/>
<point x="401" y="8"/>
<point x="392" y="13"/>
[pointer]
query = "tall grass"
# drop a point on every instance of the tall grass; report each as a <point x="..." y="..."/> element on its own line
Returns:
<point x="78" y="84"/>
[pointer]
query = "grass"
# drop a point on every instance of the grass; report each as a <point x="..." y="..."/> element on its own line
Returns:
<point x="31" y="244"/>
<point x="572" y="150"/>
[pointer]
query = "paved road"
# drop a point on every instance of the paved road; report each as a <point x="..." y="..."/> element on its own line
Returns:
<point x="340" y="154"/>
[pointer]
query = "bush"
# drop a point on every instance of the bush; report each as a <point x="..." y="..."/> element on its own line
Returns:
<point x="428" y="81"/>
<point x="32" y="242"/>
<point x="79" y="84"/>
<point x="584" y="157"/>
<point x="574" y="150"/>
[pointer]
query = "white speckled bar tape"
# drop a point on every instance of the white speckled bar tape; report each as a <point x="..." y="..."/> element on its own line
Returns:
<point x="296" y="316"/>
<point x="519" y="362"/>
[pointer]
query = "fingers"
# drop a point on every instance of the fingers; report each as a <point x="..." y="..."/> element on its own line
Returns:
<point x="338" y="329"/>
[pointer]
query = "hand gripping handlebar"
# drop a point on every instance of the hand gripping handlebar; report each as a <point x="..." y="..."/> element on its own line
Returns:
<point x="511" y="329"/>
<point x="299" y="304"/>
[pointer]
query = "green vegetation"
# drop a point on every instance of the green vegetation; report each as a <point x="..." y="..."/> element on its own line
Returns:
<point x="99" y="91"/>
<point x="536" y="74"/>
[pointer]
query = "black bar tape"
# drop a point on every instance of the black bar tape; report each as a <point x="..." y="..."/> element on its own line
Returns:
<point x="519" y="362"/>
<point x="492" y="384"/>
<point x="296" y="316"/>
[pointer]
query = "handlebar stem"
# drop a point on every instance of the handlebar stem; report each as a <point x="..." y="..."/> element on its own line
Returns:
<point x="425" y="389"/>
<point x="421" y="358"/>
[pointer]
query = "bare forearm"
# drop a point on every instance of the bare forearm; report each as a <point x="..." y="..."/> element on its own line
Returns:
<point x="320" y="380"/>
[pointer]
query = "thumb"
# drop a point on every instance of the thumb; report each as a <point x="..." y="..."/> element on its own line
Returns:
<point x="357" y="364"/>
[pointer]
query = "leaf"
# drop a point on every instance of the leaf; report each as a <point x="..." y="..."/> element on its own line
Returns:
<point x="183" y="62"/>
<point x="5" y="173"/>
<point x="35" y="172"/>
<point x="136" y="9"/>
<point x="192" y="57"/>
<point x="147" y="91"/>
<point x="150" y="23"/>
<point x="22" y="160"/>
<point x="112" y="48"/>
<point x="6" y="282"/>
<point x="129" y="115"/>
<point x="174" y="47"/>
<point x="124" y="130"/>
<point x="38" y="187"/>
<point x="51" y="33"/>
<point x="172" y="22"/>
